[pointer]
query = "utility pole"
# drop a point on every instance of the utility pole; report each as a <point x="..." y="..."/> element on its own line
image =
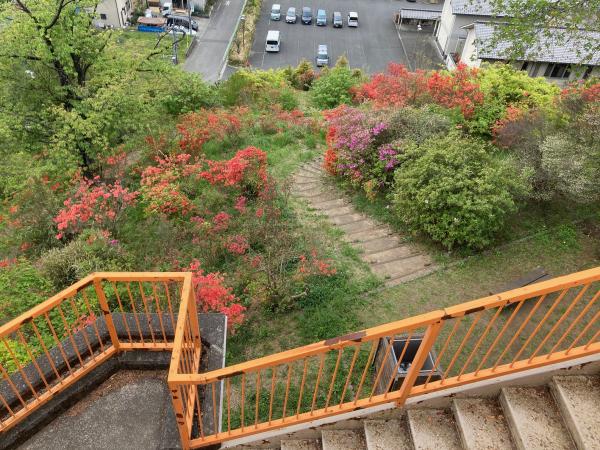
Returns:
<point x="174" y="57"/>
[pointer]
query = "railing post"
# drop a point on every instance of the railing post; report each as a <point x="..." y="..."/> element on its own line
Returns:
<point x="194" y="325"/>
<point x="433" y="330"/>
<point x="184" y="432"/>
<point x="107" y="314"/>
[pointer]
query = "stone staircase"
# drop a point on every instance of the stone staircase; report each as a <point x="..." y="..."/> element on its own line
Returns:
<point x="562" y="414"/>
<point x="388" y="254"/>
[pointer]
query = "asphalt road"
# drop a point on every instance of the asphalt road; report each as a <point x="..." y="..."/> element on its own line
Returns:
<point x="208" y="57"/>
<point x="370" y="47"/>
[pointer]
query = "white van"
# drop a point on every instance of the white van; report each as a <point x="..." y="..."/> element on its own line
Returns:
<point x="273" y="41"/>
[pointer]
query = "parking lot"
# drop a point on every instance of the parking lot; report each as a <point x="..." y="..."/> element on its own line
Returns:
<point x="370" y="47"/>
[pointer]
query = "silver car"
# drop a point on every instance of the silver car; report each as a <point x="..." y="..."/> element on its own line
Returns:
<point x="322" y="56"/>
<point x="291" y="16"/>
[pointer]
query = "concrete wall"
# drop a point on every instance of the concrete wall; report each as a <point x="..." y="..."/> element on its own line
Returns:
<point x="450" y="30"/>
<point x="117" y="13"/>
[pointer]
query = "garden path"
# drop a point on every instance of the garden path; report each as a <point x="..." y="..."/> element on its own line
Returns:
<point x="389" y="255"/>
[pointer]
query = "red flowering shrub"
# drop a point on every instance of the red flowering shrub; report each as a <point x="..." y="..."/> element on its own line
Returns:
<point x="400" y="87"/>
<point x="161" y="187"/>
<point x="213" y="296"/>
<point x="247" y="170"/>
<point x="313" y="265"/>
<point x="93" y="202"/>
<point x="196" y="128"/>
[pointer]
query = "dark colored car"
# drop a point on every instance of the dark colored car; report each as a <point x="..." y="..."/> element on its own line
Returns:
<point x="337" y="20"/>
<point x="306" y="15"/>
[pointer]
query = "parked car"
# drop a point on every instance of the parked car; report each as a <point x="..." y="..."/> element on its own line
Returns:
<point x="306" y="15"/>
<point x="276" y="11"/>
<point x="352" y="19"/>
<point x="291" y="16"/>
<point x="166" y="9"/>
<point x="322" y="56"/>
<point x="337" y="20"/>
<point x="321" y="18"/>
<point x="181" y="21"/>
<point x="273" y="42"/>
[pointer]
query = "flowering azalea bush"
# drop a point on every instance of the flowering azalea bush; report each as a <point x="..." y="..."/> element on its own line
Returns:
<point x="212" y="295"/>
<point x="93" y="202"/>
<point x="196" y="128"/>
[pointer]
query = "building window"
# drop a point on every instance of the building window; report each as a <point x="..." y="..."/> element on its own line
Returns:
<point x="557" y="71"/>
<point x="102" y="16"/>
<point x="524" y="66"/>
<point x="587" y="72"/>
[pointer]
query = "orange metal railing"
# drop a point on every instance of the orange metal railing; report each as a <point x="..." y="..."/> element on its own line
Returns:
<point x="523" y="329"/>
<point x="53" y="345"/>
<point x="50" y="347"/>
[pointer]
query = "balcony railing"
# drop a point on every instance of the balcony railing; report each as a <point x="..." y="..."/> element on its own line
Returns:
<point x="59" y="341"/>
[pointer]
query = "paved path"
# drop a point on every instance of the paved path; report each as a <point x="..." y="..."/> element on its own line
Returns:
<point x="208" y="57"/>
<point x="388" y="254"/>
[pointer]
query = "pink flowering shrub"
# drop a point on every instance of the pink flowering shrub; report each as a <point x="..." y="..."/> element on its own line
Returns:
<point x="95" y="203"/>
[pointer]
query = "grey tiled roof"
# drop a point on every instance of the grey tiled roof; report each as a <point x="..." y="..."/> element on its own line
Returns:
<point x="473" y="8"/>
<point x="550" y="48"/>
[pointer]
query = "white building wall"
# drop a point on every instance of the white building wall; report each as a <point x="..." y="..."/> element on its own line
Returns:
<point x="469" y="53"/>
<point x="115" y="13"/>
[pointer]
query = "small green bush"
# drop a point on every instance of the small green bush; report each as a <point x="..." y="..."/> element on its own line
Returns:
<point x="332" y="88"/>
<point x="187" y="92"/>
<point x="91" y="252"/>
<point x="22" y="287"/>
<point x="456" y="191"/>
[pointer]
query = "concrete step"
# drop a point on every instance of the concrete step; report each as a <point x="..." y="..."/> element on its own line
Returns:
<point x="302" y="180"/>
<point x="304" y="187"/>
<point x="343" y="440"/>
<point x="390" y="434"/>
<point x="330" y="204"/>
<point x="311" y="169"/>
<point x="380" y="244"/>
<point x="391" y="282"/>
<point x="355" y="227"/>
<point x="368" y="235"/>
<point x="402" y="267"/>
<point x="481" y="424"/>
<point x="326" y="195"/>
<point x="534" y="419"/>
<point x="433" y="429"/>
<point x="313" y="192"/>
<point x="347" y="218"/>
<point x="300" y="444"/>
<point x="578" y="399"/>
<point x="305" y="174"/>
<point x="338" y="211"/>
<point x="400" y="252"/>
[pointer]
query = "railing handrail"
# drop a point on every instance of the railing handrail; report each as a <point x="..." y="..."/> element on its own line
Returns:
<point x="298" y="353"/>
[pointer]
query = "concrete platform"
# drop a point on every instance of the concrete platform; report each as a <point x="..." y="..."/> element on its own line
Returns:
<point x="131" y="410"/>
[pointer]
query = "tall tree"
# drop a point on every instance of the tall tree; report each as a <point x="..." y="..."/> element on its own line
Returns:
<point x="532" y="26"/>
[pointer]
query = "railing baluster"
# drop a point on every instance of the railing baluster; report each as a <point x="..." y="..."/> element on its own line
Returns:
<point x="228" y="392"/>
<point x="457" y="322"/>
<point x="134" y="312"/>
<point x="20" y="369"/>
<point x="575" y="322"/>
<point x="199" y="409"/>
<point x="382" y="367"/>
<point x="316" y="390"/>
<point x="168" y="294"/>
<point x="365" y="371"/>
<point x="82" y="330"/>
<point x="287" y="391"/>
<point x="6" y="376"/>
<point x="123" y="315"/>
<point x="214" y="403"/>
<point x="460" y="347"/>
<point x="257" y="398"/>
<point x="159" y="313"/>
<point x="148" y="317"/>
<point x="94" y="326"/>
<point x="71" y="338"/>
<point x="481" y="338"/>
<point x="592" y="340"/>
<point x="272" y="396"/>
<point x="583" y="332"/>
<point x="58" y="343"/>
<point x="48" y="357"/>
<point x="301" y="388"/>
<point x="32" y="358"/>
<point x="397" y="365"/>
<point x="354" y="357"/>
<point x="560" y="320"/>
<point x="243" y="398"/>
<point x="539" y="325"/>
